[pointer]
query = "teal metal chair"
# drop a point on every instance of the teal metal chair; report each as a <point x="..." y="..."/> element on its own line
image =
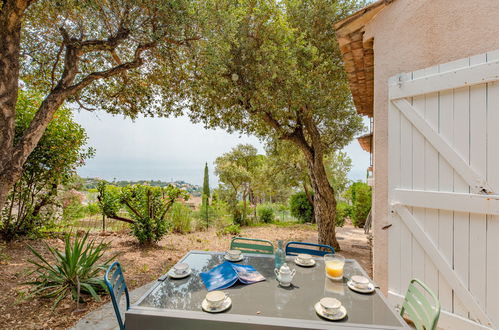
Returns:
<point x="294" y="248"/>
<point x="115" y="282"/>
<point x="421" y="306"/>
<point x="252" y="245"/>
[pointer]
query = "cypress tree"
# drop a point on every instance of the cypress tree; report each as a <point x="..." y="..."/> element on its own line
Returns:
<point x="206" y="182"/>
<point x="206" y="196"/>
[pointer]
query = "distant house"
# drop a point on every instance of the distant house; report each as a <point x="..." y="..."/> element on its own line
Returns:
<point x="426" y="73"/>
<point x="194" y="202"/>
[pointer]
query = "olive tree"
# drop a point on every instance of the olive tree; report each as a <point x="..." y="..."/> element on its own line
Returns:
<point x="274" y="69"/>
<point x="236" y="170"/>
<point x="123" y="56"/>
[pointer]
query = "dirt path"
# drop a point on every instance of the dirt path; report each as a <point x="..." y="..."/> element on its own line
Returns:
<point x="141" y="265"/>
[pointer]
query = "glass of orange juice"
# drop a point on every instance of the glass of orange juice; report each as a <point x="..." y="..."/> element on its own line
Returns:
<point x="334" y="266"/>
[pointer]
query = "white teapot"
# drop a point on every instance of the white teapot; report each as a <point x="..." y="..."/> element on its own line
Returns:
<point x="284" y="275"/>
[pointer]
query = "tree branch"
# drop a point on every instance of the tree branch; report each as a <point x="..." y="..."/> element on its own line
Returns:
<point x="115" y="217"/>
<point x="181" y="42"/>
<point x="93" y="45"/>
<point x="168" y="206"/>
<point x="296" y="136"/>
<point x="135" y="63"/>
<point x="54" y="67"/>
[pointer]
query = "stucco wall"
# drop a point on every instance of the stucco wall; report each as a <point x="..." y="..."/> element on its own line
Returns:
<point x="411" y="35"/>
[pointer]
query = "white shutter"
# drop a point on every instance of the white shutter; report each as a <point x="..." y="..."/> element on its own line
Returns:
<point x="444" y="187"/>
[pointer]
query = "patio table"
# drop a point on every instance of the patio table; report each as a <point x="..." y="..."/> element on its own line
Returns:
<point x="176" y="303"/>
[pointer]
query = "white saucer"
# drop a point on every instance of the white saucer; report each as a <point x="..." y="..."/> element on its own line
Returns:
<point x="333" y="317"/>
<point x="303" y="264"/>
<point x="222" y="308"/>
<point x="172" y="274"/>
<point x="369" y="289"/>
<point x="226" y="257"/>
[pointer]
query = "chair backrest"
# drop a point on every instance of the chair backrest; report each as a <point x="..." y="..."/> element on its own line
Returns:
<point x="252" y="245"/>
<point x="115" y="282"/>
<point x="421" y="306"/>
<point x="294" y="248"/>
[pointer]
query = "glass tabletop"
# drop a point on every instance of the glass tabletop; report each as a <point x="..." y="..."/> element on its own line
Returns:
<point x="267" y="298"/>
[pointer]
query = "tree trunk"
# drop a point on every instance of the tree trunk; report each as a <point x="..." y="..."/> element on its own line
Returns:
<point x="11" y="15"/>
<point x="324" y="199"/>
<point x="244" y="205"/>
<point x="324" y="202"/>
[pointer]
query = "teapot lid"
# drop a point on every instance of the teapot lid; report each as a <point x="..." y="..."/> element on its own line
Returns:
<point x="285" y="269"/>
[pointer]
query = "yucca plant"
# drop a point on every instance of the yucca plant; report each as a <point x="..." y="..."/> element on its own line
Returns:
<point x="77" y="270"/>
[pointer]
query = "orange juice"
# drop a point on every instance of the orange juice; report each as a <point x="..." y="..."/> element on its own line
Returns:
<point x="334" y="268"/>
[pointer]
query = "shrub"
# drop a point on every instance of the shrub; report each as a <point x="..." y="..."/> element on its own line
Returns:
<point x="92" y="209"/>
<point x="359" y="194"/>
<point x="77" y="270"/>
<point x="233" y="229"/>
<point x="180" y="218"/>
<point x="301" y="208"/>
<point x="265" y="213"/>
<point x="148" y="207"/>
<point x="51" y="165"/>
<point x="343" y="211"/>
<point x="72" y="207"/>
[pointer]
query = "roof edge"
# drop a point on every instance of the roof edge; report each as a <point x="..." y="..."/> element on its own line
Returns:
<point x="358" y="19"/>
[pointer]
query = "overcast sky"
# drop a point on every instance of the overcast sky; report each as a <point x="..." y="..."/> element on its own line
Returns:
<point x="167" y="149"/>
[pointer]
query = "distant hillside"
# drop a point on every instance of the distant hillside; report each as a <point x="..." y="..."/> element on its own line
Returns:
<point x="91" y="183"/>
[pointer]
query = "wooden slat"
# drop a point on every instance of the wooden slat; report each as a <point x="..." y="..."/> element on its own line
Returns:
<point x="492" y="127"/>
<point x="445" y="183"/>
<point x="460" y="145"/>
<point x="443" y="147"/>
<point x="418" y="180"/>
<point x="473" y="203"/>
<point x="406" y="163"/>
<point x="476" y="74"/>
<point x="438" y="259"/>
<point x="394" y="234"/>
<point x="478" y="161"/>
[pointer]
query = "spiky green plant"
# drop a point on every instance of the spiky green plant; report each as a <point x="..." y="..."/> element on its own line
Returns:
<point x="77" y="270"/>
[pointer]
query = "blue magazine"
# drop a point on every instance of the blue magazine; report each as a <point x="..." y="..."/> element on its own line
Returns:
<point x="227" y="274"/>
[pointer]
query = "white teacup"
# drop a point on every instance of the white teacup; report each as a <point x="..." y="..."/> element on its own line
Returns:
<point x="234" y="254"/>
<point x="304" y="258"/>
<point x="216" y="299"/>
<point x="360" y="282"/>
<point x="330" y="305"/>
<point x="180" y="268"/>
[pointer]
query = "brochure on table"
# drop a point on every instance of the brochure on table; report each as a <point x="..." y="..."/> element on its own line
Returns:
<point x="227" y="274"/>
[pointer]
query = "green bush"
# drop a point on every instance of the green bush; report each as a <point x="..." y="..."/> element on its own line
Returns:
<point x="301" y="208"/>
<point x="73" y="210"/>
<point x="50" y="166"/>
<point x="148" y="207"/>
<point x="92" y="209"/>
<point x="265" y="213"/>
<point x="233" y="229"/>
<point x="180" y="218"/>
<point x="77" y="270"/>
<point x="359" y="193"/>
<point x="343" y="211"/>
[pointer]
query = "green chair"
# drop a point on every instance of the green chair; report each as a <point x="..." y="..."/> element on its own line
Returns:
<point x="421" y="306"/>
<point x="252" y="245"/>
